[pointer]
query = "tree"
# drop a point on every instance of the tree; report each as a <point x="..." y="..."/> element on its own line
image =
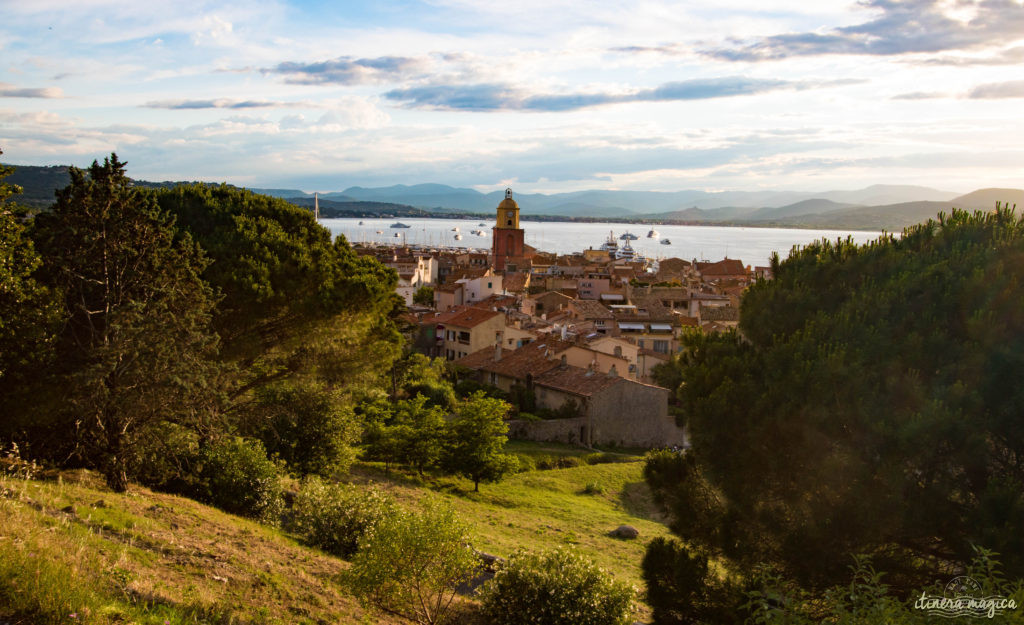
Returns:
<point x="306" y="425"/>
<point x="419" y="430"/>
<point x="136" y="349"/>
<point x="477" y="438"/>
<point x="410" y="564"/>
<point x="424" y="296"/>
<point x="295" y="303"/>
<point x="869" y="405"/>
<point x="28" y="311"/>
<point x="557" y="587"/>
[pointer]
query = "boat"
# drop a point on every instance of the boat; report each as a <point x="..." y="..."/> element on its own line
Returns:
<point x="481" y="224"/>
<point x="481" y="233"/>
<point x="380" y="232"/>
<point x="610" y="245"/>
<point x="360" y="223"/>
<point x="628" y="236"/>
<point x="399" y="224"/>
<point x="653" y="234"/>
<point x="455" y="229"/>
<point x="398" y="235"/>
<point x="666" y="242"/>
<point x="458" y="237"/>
<point x="476" y="232"/>
<point x="626" y="252"/>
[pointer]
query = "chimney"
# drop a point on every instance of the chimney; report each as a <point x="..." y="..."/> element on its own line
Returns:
<point x="564" y="332"/>
<point x="499" y="336"/>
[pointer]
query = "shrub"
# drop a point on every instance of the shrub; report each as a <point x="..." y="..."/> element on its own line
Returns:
<point x="335" y="517"/>
<point x="605" y="458"/>
<point x="594" y="488"/>
<point x="307" y="427"/>
<point x="237" y="477"/>
<point x="555" y="588"/>
<point x="526" y="463"/>
<point x="410" y="564"/>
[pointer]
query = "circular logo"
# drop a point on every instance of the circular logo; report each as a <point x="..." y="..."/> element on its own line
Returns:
<point x="962" y="585"/>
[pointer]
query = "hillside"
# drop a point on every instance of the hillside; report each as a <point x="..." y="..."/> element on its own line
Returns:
<point x="149" y="557"/>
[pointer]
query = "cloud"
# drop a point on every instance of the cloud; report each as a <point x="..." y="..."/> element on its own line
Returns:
<point x="995" y="90"/>
<point x="902" y="27"/>
<point x="1009" y="56"/>
<point x="497" y="97"/>
<point x="920" y="95"/>
<point x="222" y="103"/>
<point x="347" y="71"/>
<point x="10" y="91"/>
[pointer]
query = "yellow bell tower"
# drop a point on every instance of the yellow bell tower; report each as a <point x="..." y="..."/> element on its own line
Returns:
<point x="507" y="237"/>
<point x="508" y="213"/>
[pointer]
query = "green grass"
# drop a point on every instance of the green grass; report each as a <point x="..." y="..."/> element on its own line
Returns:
<point x="150" y="558"/>
<point x="546" y="509"/>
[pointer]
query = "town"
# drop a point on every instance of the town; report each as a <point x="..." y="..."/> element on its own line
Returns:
<point x="574" y="336"/>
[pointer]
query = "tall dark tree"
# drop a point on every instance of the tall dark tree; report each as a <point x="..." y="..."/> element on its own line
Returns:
<point x="136" y="350"/>
<point x="870" y="404"/>
<point x="297" y="306"/>
<point x="27" y="308"/>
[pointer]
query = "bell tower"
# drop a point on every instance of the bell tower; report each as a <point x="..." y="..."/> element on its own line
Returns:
<point x="507" y="236"/>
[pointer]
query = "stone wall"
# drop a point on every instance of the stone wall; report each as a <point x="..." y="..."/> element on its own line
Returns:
<point x="553" y="430"/>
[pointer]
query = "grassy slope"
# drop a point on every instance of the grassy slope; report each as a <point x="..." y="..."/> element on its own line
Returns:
<point x="147" y="557"/>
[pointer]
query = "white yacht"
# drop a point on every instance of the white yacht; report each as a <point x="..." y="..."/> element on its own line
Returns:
<point x="610" y="245"/>
<point x="628" y="236"/>
<point x="666" y="242"/>
<point x="626" y="252"/>
<point x="653" y="234"/>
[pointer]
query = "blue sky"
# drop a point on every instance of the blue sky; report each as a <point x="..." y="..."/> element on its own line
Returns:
<point x="544" y="96"/>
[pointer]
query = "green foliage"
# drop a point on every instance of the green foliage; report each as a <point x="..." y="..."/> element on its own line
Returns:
<point x="237" y="477"/>
<point x="28" y="310"/>
<point x="411" y="564"/>
<point x="476" y="441"/>
<point x="294" y="301"/>
<point x="866" y="599"/>
<point x="335" y="517"/>
<point x="308" y="427"/>
<point x="136" y="349"/>
<point x="868" y="405"/>
<point x="594" y="488"/>
<point x="559" y="587"/>
<point x="419" y="375"/>
<point x="424" y="296"/>
<point x="683" y="589"/>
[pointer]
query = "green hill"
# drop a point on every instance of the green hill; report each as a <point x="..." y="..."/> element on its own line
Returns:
<point x="72" y="547"/>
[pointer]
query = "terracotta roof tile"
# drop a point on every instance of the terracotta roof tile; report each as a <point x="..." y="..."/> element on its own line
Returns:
<point x="577" y="381"/>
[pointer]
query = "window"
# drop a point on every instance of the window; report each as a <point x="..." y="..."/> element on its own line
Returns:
<point x="509" y="222"/>
<point x="661" y="347"/>
<point x="618" y="351"/>
<point x="488" y="285"/>
<point x="464" y="338"/>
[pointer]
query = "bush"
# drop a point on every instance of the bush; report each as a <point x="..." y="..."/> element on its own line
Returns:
<point x="557" y="462"/>
<point x="237" y="477"/>
<point x="526" y="463"/>
<point x="605" y="458"/>
<point x="335" y="517"/>
<point x="410" y="564"/>
<point x="554" y="588"/>
<point x="594" y="488"/>
<point x="307" y="427"/>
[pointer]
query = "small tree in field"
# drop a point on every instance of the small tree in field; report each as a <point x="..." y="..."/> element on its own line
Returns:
<point x="409" y="564"/>
<point x="477" y="438"/>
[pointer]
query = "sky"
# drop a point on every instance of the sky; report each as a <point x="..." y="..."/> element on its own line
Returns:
<point x="541" y="95"/>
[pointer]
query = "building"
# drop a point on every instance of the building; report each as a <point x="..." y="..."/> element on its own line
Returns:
<point x="507" y="238"/>
<point x="465" y="330"/>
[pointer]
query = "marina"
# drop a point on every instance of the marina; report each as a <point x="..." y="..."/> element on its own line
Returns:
<point x="753" y="246"/>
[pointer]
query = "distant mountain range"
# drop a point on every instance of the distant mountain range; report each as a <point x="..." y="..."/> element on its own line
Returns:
<point x="878" y="207"/>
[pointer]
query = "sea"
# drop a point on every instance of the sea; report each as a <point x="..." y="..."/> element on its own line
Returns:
<point x="752" y="246"/>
